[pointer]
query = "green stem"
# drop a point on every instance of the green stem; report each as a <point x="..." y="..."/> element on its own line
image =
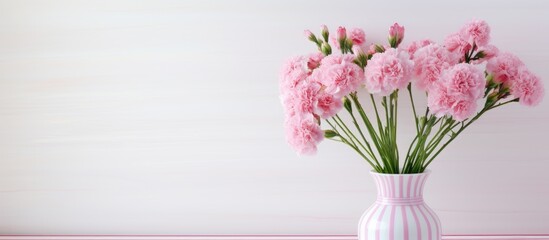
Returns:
<point x="345" y="130"/>
<point x="370" y="151"/>
<point x="341" y="123"/>
<point x="350" y="145"/>
<point x="413" y="106"/>
<point x="454" y="137"/>
<point x="373" y="134"/>
<point x="463" y="127"/>
<point x="379" y="125"/>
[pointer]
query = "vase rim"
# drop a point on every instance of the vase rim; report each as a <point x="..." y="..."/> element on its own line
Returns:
<point x="426" y="172"/>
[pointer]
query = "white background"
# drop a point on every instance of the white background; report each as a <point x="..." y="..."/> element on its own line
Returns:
<point x="162" y="117"/>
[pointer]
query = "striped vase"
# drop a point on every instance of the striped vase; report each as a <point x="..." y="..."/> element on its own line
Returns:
<point x="399" y="212"/>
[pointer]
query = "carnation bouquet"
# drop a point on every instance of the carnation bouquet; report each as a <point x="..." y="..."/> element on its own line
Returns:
<point x="462" y="78"/>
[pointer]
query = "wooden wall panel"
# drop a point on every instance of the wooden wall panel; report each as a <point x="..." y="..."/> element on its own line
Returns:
<point x="163" y="117"/>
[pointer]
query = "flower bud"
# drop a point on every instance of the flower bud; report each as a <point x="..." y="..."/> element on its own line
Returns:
<point x="347" y="104"/>
<point x="396" y="34"/>
<point x="357" y="50"/>
<point x="492" y="98"/>
<point x="341" y="33"/>
<point x="325" y="32"/>
<point x="310" y="36"/>
<point x="379" y="48"/>
<point x="326" y="49"/>
<point x="330" y="134"/>
<point x="480" y="55"/>
<point x="361" y="57"/>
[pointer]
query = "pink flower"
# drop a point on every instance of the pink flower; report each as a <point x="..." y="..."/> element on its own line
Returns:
<point x="396" y="32"/>
<point x="528" y="88"/>
<point x="414" y="46"/>
<point x="504" y="67"/>
<point x="430" y="61"/>
<point x="372" y="49"/>
<point x="490" y="51"/>
<point x="303" y="134"/>
<point x="388" y="71"/>
<point x="293" y="73"/>
<point x="339" y="74"/>
<point x="464" y="80"/>
<point x="463" y="109"/>
<point x="313" y="60"/>
<point x="341" y="33"/>
<point x="327" y="105"/>
<point x="289" y="105"/>
<point x="357" y="36"/>
<point x="441" y="102"/>
<point x="476" y="32"/>
<point x="305" y="98"/>
<point x="456" y="43"/>
<point x="457" y="92"/>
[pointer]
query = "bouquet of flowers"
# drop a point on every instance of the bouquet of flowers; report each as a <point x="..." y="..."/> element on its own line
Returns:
<point x="462" y="78"/>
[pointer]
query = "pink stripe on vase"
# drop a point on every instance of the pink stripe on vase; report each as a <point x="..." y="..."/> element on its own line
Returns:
<point x="405" y="222"/>
<point x="400" y="184"/>
<point x="392" y="186"/>
<point x="387" y="186"/>
<point x="416" y="186"/>
<point x="367" y="216"/>
<point x="416" y="221"/>
<point x="392" y="223"/>
<point x="410" y="179"/>
<point x="429" y="232"/>
<point x="434" y="216"/>
<point x="378" y="232"/>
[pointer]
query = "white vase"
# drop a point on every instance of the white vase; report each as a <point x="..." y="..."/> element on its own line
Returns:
<point x="399" y="212"/>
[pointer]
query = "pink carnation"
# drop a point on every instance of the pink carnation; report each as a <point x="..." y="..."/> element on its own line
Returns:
<point x="457" y="92"/>
<point x="371" y="49"/>
<point x="335" y="42"/>
<point x="504" y="67"/>
<point x="388" y="71"/>
<point x="430" y="61"/>
<point x="464" y="80"/>
<point x="313" y="60"/>
<point x="304" y="134"/>
<point x="528" y="88"/>
<point x="305" y="98"/>
<point x="358" y="36"/>
<point x="441" y="102"/>
<point x="339" y="74"/>
<point x="414" y="46"/>
<point x="457" y="44"/>
<point x="327" y="105"/>
<point x="490" y="51"/>
<point x="477" y="32"/>
<point x="463" y="109"/>
<point x="293" y="73"/>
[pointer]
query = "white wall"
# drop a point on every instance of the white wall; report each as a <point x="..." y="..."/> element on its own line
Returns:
<point x="162" y="117"/>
